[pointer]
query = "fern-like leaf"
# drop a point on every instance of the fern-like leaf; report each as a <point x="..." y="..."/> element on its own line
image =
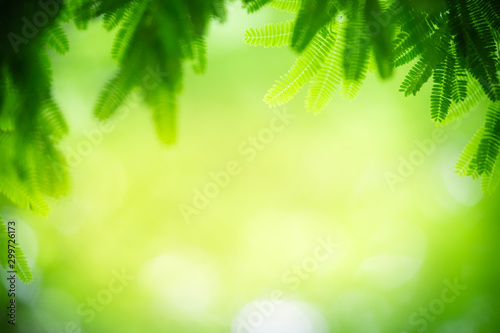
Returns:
<point x="459" y="93"/>
<point x="270" y="35"/>
<point x="475" y="43"/>
<point x="422" y="70"/>
<point x="475" y="95"/>
<point x="56" y="38"/>
<point x="491" y="13"/>
<point x="53" y="119"/>
<point x="467" y="162"/>
<point x="381" y="38"/>
<point x="21" y="266"/>
<point x="490" y="142"/>
<point x="416" y="78"/>
<point x="292" y="6"/>
<point x="313" y="15"/>
<point x="115" y="92"/>
<point x="112" y="19"/>
<point x="356" y="52"/>
<point x="13" y="190"/>
<point x="199" y="55"/>
<point x="489" y="183"/>
<point x="132" y="16"/>
<point x="255" y="5"/>
<point x="162" y="102"/>
<point x="303" y="70"/>
<point x="442" y="90"/>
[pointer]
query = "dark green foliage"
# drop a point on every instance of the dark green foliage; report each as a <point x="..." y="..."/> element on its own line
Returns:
<point x="454" y="42"/>
<point x="154" y="38"/>
<point x="444" y="81"/>
<point x="312" y="16"/>
<point x="338" y="49"/>
<point x="56" y="39"/>
<point x="381" y="37"/>
<point x="356" y="50"/>
<point x="254" y="5"/>
<point x="31" y="124"/>
<point x="329" y="75"/>
<point x="475" y="43"/>
<point x="304" y="69"/>
<point x="490" y="142"/>
<point x="292" y="6"/>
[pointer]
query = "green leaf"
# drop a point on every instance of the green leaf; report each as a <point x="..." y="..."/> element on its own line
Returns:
<point x="199" y="55"/>
<point x="292" y="6"/>
<point x="255" y="5"/>
<point x="381" y="37"/>
<point x="56" y="38"/>
<point x="423" y="69"/>
<point x="52" y="119"/>
<point x="475" y="95"/>
<point x="115" y="92"/>
<point x="475" y="44"/>
<point x="489" y="183"/>
<point x="442" y="90"/>
<point x="490" y="142"/>
<point x="130" y="20"/>
<point x="21" y="266"/>
<point x="467" y="162"/>
<point x="313" y="15"/>
<point x="356" y="52"/>
<point x="162" y="102"/>
<point x="324" y="83"/>
<point x="303" y="70"/>
<point x="270" y="35"/>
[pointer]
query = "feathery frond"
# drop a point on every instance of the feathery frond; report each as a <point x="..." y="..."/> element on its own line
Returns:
<point x="255" y="5"/>
<point x="457" y="43"/>
<point x="270" y="35"/>
<point x="31" y="123"/>
<point x="115" y="92"/>
<point x="490" y="142"/>
<point x="131" y="18"/>
<point x="199" y="55"/>
<point x="475" y="95"/>
<point x="312" y="16"/>
<point x="442" y="90"/>
<point x="356" y="51"/>
<point x="164" y="114"/>
<point x="303" y="70"/>
<point x="467" y="162"/>
<point x="489" y="183"/>
<point x="380" y="36"/>
<point x="423" y="69"/>
<point x="56" y="39"/>
<point x="292" y="6"/>
<point x="20" y="263"/>
<point x="324" y="83"/>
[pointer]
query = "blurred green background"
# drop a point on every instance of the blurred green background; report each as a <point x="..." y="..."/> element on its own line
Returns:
<point x="372" y="176"/>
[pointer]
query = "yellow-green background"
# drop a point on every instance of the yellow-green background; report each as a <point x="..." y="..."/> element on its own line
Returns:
<point x="324" y="175"/>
